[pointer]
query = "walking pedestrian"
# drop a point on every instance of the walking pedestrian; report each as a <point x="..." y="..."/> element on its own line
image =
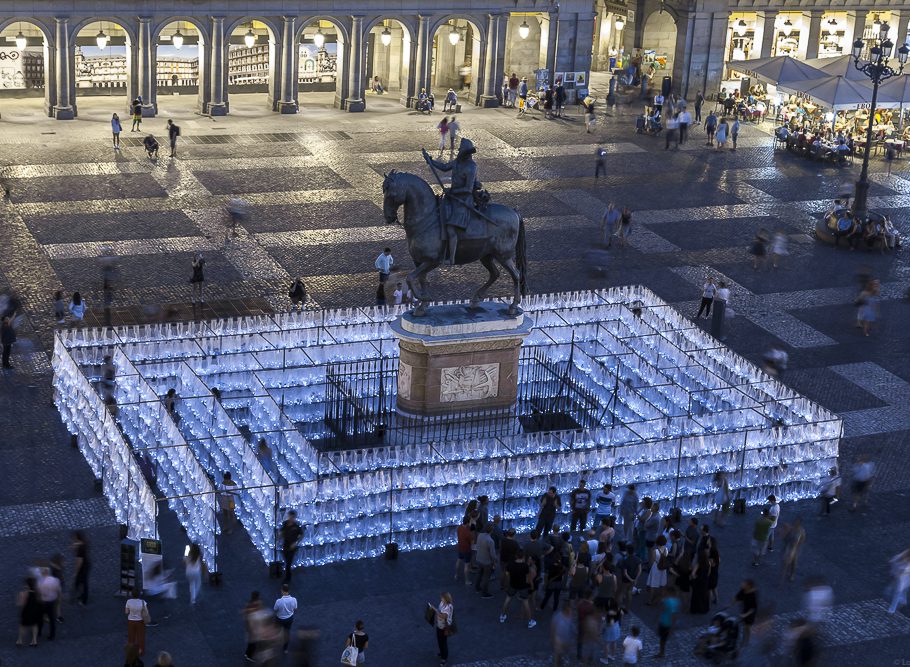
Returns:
<point x="380" y="295"/>
<point x="30" y="612"/>
<point x="445" y="626"/>
<point x="794" y="538"/>
<point x="523" y="95"/>
<point x="600" y="164"/>
<point x="291" y="533"/>
<point x="778" y="248"/>
<point x="81" y="567"/>
<point x="760" y="534"/>
<point x="830" y="487"/>
<point x="454" y="129"/>
<point x="759" y="250"/>
<point x="631" y="647"/>
<point x="631" y="571"/>
<point x="580" y="499"/>
<point x="173" y="131"/>
<point x="137" y="115"/>
<point x="521" y="579"/>
<point x="297" y="294"/>
<point x="7" y="338"/>
<point x="197" y="280"/>
<point x="359" y="640"/>
<point x="254" y="617"/>
<point x="194" y="565"/>
<point x="59" y="307"/>
<point x="116" y="129"/>
<point x="863" y="472"/>
<point x="285" y="608"/>
<point x="590" y="116"/>
<point x="589" y="630"/>
<point x="720" y="136"/>
<point x="227" y="500"/>
<point x="625" y="226"/>
<point x="486" y="558"/>
<point x="513" y="90"/>
<point x="628" y="506"/>
<point x="900" y="572"/>
<point x="699" y="101"/>
<point x="556" y="571"/>
<point x="734" y="133"/>
<point x="669" y="608"/>
<point x="609" y="224"/>
<point x="718" y="326"/>
<point x="671" y="133"/>
<point x="818" y="601"/>
<point x="710" y="128"/>
<point x="384" y="264"/>
<point x="659" y="563"/>
<point x="561" y="634"/>
<point x="685" y="120"/>
<point x="77" y="307"/>
<point x="774" y="514"/>
<point x="707" y="297"/>
<point x="747" y="597"/>
<point x="137" y="615"/>
<point x="550" y="504"/>
<point x="559" y="97"/>
<point x="700" y="578"/>
<point x="464" y="547"/>
<point x="867" y="303"/>
<point x="49" y="591"/>
<point x="443" y="129"/>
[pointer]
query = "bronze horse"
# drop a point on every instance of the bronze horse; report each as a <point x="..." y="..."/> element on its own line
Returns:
<point x="503" y="242"/>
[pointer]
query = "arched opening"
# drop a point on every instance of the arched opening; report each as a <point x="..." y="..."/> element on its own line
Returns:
<point x="320" y="58"/>
<point x="388" y="62"/>
<point x="527" y="35"/>
<point x="608" y="48"/>
<point x="24" y="71"/>
<point x="103" y="67"/>
<point x="179" y="67"/>
<point x="456" y="60"/>
<point x="658" y="44"/>
<point x="251" y="66"/>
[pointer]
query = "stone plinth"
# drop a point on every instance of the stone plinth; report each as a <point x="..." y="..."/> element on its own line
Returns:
<point x="456" y="358"/>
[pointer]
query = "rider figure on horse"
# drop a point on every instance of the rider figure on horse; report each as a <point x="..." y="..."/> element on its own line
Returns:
<point x="464" y="184"/>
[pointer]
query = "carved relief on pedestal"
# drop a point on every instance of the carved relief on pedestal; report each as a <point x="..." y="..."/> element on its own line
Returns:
<point x="404" y="380"/>
<point x="468" y="383"/>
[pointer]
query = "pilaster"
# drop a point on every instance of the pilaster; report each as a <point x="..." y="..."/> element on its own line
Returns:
<point x="147" y="56"/>
<point x="355" y="101"/>
<point x="808" y="37"/>
<point x="492" y="50"/>
<point x="766" y="21"/>
<point x="217" y="98"/>
<point x="63" y="72"/>
<point x="288" y="101"/>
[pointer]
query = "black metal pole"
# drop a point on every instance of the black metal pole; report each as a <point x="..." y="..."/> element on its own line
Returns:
<point x="860" y="205"/>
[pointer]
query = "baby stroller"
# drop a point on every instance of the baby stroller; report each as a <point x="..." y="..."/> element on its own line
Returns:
<point x="718" y="644"/>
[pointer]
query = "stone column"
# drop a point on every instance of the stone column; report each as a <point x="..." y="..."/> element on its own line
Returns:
<point x="355" y="101"/>
<point x="423" y="56"/>
<point x="766" y="23"/>
<point x="810" y="34"/>
<point x="706" y="63"/>
<point x="499" y="64"/>
<point x="146" y="68"/>
<point x="217" y="98"/>
<point x="552" y="37"/>
<point x="63" y="73"/>
<point x="859" y="25"/>
<point x="492" y="48"/>
<point x="899" y="29"/>
<point x="408" y="89"/>
<point x="288" y="101"/>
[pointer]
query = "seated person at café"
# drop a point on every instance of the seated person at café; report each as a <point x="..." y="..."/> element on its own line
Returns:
<point x="782" y="133"/>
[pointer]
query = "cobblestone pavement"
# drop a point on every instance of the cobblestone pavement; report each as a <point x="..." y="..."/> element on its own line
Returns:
<point x="314" y="181"/>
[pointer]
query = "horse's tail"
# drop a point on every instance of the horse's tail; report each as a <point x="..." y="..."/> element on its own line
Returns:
<point x="521" y="256"/>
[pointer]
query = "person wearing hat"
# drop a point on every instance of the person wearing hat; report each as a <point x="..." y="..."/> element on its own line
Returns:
<point x="451" y="101"/>
<point x="464" y="182"/>
<point x="774" y="513"/>
<point x="523" y="95"/>
<point x="590" y="118"/>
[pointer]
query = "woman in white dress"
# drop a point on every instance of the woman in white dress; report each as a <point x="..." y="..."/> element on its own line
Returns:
<point x="657" y="575"/>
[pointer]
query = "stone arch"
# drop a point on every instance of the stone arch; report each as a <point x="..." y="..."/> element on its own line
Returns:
<point x="394" y="64"/>
<point x="204" y="75"/>
<point x="444" y="71"/>
<point x="660" y="32"/>
<point x="124" y="24"/>
<point x="274" y="78"/>
<point x="49" y="56"/>
<point x="344" y="40"/>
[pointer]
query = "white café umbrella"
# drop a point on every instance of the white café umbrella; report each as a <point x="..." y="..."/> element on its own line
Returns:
<point x="838" y="66"/>
<point x="777" y="70"/>
<point x="840" y="94"/>
<point x="899" y="87"/>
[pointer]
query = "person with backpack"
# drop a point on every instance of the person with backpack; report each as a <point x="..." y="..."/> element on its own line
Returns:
<point x="137" y="115"/>
<point x="657" y="575"/>
<point x="173" y="131"/>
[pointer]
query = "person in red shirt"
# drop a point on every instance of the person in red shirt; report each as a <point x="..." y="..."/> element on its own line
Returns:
<point x="465" y="541"/>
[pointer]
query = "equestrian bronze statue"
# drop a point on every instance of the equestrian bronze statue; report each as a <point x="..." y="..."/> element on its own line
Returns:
<point x="459" y="227"/>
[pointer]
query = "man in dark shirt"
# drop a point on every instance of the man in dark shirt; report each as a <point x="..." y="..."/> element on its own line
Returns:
<point x="549" y="506"/>
<point x="631" y="570"/>
<point x="508" y="547"/>
<point x="291" y="534"/>
<point x="691" y="536"/>
<point x="581" y="505"/>
<point x="535" y="549"/>
<point x="521" y="574"/>
<point x="748" y="598"/>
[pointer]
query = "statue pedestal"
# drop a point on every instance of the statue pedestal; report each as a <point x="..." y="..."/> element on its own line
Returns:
<point x="457" y="359"/>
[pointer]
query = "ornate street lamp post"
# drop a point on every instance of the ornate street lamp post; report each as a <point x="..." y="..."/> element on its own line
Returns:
<point x="878" y="70"/>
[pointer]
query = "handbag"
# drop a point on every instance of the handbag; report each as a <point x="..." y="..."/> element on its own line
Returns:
<point x="429" y="614"/>
<point x="350" y="653"/>
<point x="451" y="629"/>
<point x="146" y="617"/>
